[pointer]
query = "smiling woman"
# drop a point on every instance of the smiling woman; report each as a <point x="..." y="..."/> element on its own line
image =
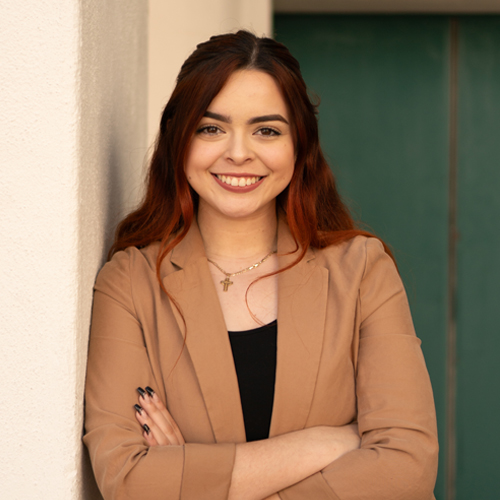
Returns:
<point x="273" y="337"/>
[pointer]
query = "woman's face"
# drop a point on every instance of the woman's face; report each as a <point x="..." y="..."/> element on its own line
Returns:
<point x="242" y="153"/>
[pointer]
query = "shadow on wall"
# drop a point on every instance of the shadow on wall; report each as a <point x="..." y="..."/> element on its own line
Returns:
<point x="113" y="111"/>
<point x="90" y="490"/>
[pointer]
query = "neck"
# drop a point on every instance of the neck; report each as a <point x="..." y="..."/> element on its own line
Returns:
<point x="238" y="240"/>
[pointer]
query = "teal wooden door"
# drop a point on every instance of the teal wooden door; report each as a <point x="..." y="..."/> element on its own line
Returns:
<point x="478" y="266"/>
<point x="400" y="141"/>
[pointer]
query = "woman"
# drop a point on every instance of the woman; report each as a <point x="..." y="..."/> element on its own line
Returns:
<point x="320" y="389"/>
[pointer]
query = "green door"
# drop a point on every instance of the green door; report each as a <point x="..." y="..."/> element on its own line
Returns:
<point x="410" y="109"/>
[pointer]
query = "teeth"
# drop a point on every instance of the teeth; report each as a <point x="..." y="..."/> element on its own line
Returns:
<point x="238" y="181"/>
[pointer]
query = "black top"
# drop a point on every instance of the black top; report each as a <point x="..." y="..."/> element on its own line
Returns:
<point x="254" y="353"/>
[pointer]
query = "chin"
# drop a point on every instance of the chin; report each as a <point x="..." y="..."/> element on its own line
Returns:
<point x="247" y="212"/>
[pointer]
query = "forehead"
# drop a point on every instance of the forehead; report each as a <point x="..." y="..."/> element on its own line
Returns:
<point x="249" y="91"/>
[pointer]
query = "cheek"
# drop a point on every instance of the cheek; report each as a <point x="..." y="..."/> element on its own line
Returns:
<point x="194" y="162"/>
<point x="282" y="158"/>
<point x="285" y="163"/>
<point x="201" y="156"/>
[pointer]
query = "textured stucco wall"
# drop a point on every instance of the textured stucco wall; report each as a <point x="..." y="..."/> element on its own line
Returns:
<point x="38" y="247"/>
<point x="175" y="28"/>
<point x="72" y="141"/>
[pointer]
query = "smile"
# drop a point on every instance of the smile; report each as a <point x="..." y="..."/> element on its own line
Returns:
<point x="238" y="181"/>
<point x="239" y="184"/>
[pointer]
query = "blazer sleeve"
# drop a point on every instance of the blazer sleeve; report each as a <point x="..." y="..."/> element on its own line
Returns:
<point x="396" y="416"/>
<point x="124" y="466"/>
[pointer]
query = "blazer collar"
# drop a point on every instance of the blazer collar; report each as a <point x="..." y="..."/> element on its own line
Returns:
<point x="302" y="298"/>
<point x="190" y="249"/>
<point x="302" y="293"/>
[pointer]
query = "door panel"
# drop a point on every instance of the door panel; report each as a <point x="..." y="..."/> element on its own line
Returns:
<point x="478" y="300"/>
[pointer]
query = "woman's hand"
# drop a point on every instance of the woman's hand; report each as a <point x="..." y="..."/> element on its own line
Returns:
<point x="159" y="426"/>
<point x="347" y="437"/>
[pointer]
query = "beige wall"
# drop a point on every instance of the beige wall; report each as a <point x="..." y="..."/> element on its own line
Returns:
<point x="72" y="140"/>
<point x="175" y="28"/>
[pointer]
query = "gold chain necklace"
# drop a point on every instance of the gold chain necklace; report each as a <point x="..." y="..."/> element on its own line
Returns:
<point x="226" y="282"/>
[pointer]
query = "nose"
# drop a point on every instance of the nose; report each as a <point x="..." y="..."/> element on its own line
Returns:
<point x="239" y="150"/>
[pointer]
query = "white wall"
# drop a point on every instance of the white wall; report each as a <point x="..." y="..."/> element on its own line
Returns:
<point x="176" y="27"/>
<point x="72" y="140"/>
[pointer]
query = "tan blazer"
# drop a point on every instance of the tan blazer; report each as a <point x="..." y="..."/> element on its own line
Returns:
<point x="346" y="351"/>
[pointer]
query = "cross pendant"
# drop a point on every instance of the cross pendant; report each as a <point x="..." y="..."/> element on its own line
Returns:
<point x="225" y="283"/>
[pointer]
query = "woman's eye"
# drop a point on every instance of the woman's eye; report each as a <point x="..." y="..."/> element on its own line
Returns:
<point x="209" y="130"/>
<point x="268" y="132"/>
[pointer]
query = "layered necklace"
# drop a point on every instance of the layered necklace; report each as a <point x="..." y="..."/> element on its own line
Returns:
<point x="227" y="282"/>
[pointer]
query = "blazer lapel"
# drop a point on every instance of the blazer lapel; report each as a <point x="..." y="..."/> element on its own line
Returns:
<point x="302" y="299"/>
<point x="207" y="340"/>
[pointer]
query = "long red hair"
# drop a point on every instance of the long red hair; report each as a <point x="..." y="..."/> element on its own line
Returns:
<point x="315" y="213"/>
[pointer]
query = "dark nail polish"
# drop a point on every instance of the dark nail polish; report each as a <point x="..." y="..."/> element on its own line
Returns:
<point x="146" y="428"/>
<point x="150" y="391"/>
<point x="138" y="408"/>
<point x="141" y="391"/>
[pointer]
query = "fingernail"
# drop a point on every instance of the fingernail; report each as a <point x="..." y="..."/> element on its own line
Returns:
<point x="150" y="391"/>
<point x="141" y="391"/>
<point x="138" y="408"/>
<point x="146" y="428"/>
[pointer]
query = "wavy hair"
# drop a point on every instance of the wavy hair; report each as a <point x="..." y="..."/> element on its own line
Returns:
<point x="314" y="211"/>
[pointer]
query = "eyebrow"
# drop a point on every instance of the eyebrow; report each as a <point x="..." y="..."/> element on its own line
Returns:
<point x="252" y="121"/>
<point x="267" y="118"/>
<point x="216" y="116"/>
